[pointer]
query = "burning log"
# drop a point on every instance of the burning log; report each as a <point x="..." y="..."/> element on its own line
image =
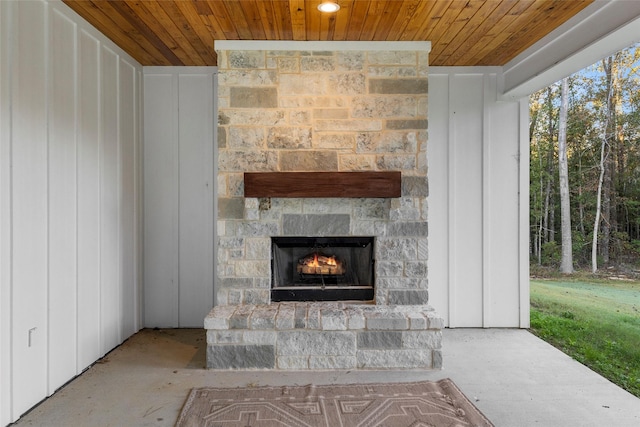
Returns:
<point x="318" y="263"/>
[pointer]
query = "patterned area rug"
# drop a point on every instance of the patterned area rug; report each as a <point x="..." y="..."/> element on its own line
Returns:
<point x="419" y="404"/>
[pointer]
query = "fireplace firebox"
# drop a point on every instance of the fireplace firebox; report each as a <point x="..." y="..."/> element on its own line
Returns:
<point x="322" y="269"/>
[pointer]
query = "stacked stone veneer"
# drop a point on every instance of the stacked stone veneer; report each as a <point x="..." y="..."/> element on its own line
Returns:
<point x="320" y="110"/>
<point x="328" y="335"/>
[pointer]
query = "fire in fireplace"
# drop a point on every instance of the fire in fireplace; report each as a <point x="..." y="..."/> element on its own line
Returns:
<point x="318" y="263"/>
<point x="322" y="269"/>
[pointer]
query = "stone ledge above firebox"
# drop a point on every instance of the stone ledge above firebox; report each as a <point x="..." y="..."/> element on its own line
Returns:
<point x="323" y="335"/>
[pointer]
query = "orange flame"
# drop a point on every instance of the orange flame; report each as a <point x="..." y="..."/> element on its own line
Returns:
<point x="331" y="261"/>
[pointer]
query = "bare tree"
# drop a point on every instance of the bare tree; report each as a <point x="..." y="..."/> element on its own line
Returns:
<point x="604" y="154"/>
<point x="566" y="262"/>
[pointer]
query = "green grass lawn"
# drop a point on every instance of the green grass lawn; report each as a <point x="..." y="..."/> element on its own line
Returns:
<point x="595" y="322"/>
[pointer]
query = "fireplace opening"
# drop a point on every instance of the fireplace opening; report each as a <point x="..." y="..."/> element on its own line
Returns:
<point x="322" y="269"/>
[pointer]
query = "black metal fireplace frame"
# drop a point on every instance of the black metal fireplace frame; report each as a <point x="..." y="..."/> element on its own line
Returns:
<point x="330" y="292"/>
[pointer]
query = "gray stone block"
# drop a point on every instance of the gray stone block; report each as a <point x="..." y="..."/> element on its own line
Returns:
<point x="350" y="60"/>
<point x="398" y="249"/>
<point x="263" y="317"/>
<point x="258" y="229"/>
<point x="408" y="297"/>
<point x="247" y="161"/>
<point x="228" y="337"/>
<point x="348" y="83"/>
<point x="230" y="242"/>
<point x="260" y="337"/>
<point x="308" y="161"/>
<point x="394" y="359"/>
<point x="372" y="209"/>
<point x="332" y="362"/>
<point x="285" y="318"/>
<point x="256" y="296"/>
<point x="415" y="229"/>
<point x="423" y="249"/>
<point x="333" y="113"/>
<point x="300" y="317"/>
<point x="415" y="186"/>
<point x="333" y="320"/>
<point x="355" y="319"/>
<point x="382" y="107"/>
<point x="239" y="321"/>
<point x="235" y="283"/>
<point x="422" y="339"/>
<point x="246" y="59"/>
<point x="350" y="125"/>
<point x="230" y="208"/>
<point x="416" y="269"/>
<point x="398" y="86"/>
<point x="318" y="343"/>
<point x="331" y="205"/>
<point x="387" y="322"/>
<point x="222" y="137"/>
<point x="293" y="362"/>
<point x="434" y="321"/>
<point x="241" y="356"/>
<point x="404" y="162"/>
<point x="315" y="225"/>
<point x="240" y="317"/>
<point x="317" y="63"/>
<point x="246" y="138"/>
<point x="289" y="137"/>
<point x="253" y="97"/>
<point x="417" y="321"/>
<point x="389" y="268"/>
<point x="436" y="357"/>
<point x="379" y="340"/>
<point x="407" y="124"/>
<point x="313" y="318"/>
<point x="218" y="317"/>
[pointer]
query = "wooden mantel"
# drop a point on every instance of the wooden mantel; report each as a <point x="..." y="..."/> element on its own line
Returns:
<point x="323" y="184"/>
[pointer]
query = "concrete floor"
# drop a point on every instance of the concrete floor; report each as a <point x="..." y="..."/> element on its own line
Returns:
<point x="514" y="378"/>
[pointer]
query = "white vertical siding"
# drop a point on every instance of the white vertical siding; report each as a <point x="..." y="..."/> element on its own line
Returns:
<point x="475" y="200"/>
<point x="70" y="104"/>
<point x="89" y="210"/>
<point x="196" y="119"/>
<point x="5" y="214"/>
<point x="161" y="201"/>
<point x="29" y="205"/>
<point x="109" y="218"/>
<point x="62" y="201"/>
<point x="129" y="126"/>
<point x="178" y="182"/>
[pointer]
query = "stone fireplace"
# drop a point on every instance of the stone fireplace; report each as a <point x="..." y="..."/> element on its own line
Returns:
<point x="322" y="269"/>
<point x="335" y="108"/>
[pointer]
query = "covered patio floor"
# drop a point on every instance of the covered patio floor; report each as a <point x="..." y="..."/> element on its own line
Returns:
<point x="513" y="377"/>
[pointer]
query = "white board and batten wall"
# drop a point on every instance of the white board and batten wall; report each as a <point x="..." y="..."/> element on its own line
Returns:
<point x="179" y="181"/>
<point x="70" y="199"/>
<point x="478" y="157"/>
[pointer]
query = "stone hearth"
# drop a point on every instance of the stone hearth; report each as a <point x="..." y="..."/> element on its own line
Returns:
<point x="323" y="335"/>
<point x="307" y="107"/>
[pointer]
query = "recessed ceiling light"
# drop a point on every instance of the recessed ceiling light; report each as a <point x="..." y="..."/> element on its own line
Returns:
<point x="328" y="7"/>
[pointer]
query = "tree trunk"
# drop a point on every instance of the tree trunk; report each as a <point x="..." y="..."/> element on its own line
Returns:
<point x="549" y="211"/>
<point x="604" y="154"/>
<point x="605" y="242"/>
<point x="596" y="225"/>
<point x="580" y="201"/>
<point x="566" y="262"/>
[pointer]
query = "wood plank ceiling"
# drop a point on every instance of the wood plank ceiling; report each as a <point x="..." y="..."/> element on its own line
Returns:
<point x="462" y="32"/>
